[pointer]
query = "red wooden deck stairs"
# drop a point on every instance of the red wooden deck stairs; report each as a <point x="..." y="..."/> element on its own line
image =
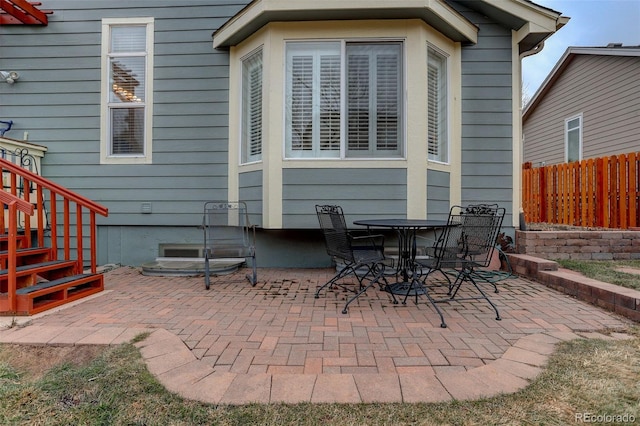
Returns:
<point x="35" y="277"/>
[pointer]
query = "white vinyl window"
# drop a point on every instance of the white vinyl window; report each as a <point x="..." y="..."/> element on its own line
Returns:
<point x="127" y="87"/>
<point x="252" y="108"/>
<point x="437" y="114"/>
<point x="573" y="138"/>
<point x="344" y="99"/>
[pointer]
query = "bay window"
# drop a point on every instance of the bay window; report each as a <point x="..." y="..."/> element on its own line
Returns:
<point x="344" y="99"/>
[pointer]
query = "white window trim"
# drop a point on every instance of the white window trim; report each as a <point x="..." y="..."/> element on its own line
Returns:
<point x="105" y="121"/>
<point x="566" y="137"/>
<point x="342" y="155"/>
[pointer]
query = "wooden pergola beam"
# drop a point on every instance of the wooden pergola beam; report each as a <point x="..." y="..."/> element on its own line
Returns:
<point x="16" y="12"/>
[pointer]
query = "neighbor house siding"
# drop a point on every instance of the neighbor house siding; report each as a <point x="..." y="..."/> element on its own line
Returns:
<point x="487" y="120"/>
<point x="362" y="193"/>
<point x="605" y="90"/>
<point x="59" y="107"/>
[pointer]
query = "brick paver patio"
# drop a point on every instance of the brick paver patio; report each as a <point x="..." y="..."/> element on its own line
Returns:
<point x="275" y="342"/>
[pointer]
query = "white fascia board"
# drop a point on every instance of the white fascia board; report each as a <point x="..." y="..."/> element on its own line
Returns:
<point x="260" y="12"/>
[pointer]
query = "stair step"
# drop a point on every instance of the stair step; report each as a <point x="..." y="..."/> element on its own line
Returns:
<point x="28" y="275"/>
<point x="47" y="295"/>
<point x="40" y="267"/>
<point x="26" y="251"/>
<point x="49" y="284"/>
<point x="26" y="255"/>
<point x="4" y="241"/>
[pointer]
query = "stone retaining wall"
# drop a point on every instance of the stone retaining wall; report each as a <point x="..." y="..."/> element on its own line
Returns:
<point x="624" y="301"/>
<point x="579" y="245"/>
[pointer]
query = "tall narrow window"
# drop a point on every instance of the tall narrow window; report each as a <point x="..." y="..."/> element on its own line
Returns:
<point x="373" y="99"/>
<point x="252" y="108"/>
<point x="127" y="64"/>
<point x="313" y="100"/>
<point x="573" y="138"/>
<point x="437" y="139"/>
<point x="343" y="99"/>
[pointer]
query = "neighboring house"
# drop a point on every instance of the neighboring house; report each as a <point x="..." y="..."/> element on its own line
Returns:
<point x="389" y="108"/>
<point x="588" y="107"/>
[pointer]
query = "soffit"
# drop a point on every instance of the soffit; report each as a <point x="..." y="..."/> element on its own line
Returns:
<point x="258" y="13"/>
<point x="534" y="23"/>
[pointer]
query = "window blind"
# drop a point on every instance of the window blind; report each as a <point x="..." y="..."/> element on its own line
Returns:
<point x="127" y="77"/>
<point x="437" y="124"/>
<point x="373" y="99"/>
<point x="252" y="108"/>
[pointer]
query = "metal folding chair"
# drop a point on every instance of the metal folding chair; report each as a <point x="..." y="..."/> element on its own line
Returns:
<point x="465" y="245"/>
<point x="228" y="235"/>
<point x="362" y="256"/>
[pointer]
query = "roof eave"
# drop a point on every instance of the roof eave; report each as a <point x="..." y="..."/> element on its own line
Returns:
<point x="260" y="12"/>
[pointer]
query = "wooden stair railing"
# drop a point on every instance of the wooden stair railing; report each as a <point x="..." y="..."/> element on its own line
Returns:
<point x="67" y="197"/>
<point x="34" y="279"/>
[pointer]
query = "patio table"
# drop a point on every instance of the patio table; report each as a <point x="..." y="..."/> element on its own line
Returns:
<point x="406" y="230"/>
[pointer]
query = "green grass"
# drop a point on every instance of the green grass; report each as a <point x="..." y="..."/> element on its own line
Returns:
<point x="113" y="387"/>
<point x="606" y="271"/>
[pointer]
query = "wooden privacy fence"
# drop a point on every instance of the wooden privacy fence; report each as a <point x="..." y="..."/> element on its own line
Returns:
<point x="602" y="192"/>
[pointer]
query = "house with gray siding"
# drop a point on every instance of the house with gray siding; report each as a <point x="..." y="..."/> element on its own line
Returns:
<point x="390" y="109"/>
<point x="587" y="107"/>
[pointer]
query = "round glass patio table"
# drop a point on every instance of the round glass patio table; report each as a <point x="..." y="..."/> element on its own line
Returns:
<point x="407" y="230"/>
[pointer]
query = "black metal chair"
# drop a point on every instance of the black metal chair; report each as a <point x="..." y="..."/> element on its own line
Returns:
<point x="362" y="256"/>
<point x="464" y="246"/>
<point x="228" y="234"/>
<point x="493" y="277"/>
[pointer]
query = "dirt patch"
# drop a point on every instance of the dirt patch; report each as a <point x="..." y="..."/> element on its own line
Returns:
<point x="35" y="361"/>
<point x="628" y="270"/>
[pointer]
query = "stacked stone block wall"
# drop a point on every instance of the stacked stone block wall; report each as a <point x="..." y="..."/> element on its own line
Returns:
<point x="579" y="245"/>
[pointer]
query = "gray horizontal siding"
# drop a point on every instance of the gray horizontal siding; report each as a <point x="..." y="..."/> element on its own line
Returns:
<point x="438" y="194"/>
<point x="487" y="131"/>
<point x="58" y="96"/>
<point x="250" y="186"/>
<point x="362" y="193"/>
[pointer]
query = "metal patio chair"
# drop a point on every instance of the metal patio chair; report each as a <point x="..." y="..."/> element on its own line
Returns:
<point x="228" y="234"/>
<point x="464" y="246"/>
<point x="495" y="276"/>
<point x="362" y="256"/>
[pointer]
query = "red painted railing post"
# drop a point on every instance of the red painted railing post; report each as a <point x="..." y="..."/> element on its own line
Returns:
<point x="12" y="259"/>
<point x="14" y="204"/>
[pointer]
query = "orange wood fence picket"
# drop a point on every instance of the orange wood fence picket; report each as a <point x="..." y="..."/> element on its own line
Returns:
<point x="602" y="192"/>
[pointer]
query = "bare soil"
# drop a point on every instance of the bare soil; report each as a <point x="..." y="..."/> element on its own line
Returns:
<point x="35" y="361"/>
